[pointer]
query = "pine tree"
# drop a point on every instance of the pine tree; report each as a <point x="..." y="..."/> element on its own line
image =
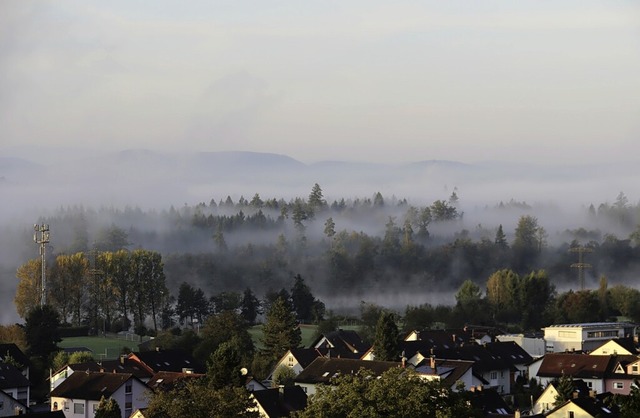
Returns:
<point x="281" y="331"/>
<point x="385" y="345"/>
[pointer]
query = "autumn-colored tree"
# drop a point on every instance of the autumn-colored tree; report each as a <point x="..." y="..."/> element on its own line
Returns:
<point x="13" y="334"/>
<point x="28" y="292"/>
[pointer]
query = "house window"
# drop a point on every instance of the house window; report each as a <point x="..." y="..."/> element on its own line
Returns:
<point x="618" y="385"/>
<point x="290" y="361"/>
<point x="570" y="414"/>
<point x="128" y="409"/>
<point x="78" y="408"/>
<point x="127" y="387"/>
<point x="634" y="369"/>
<point x="66" y="405"/>
<point x="494" y="375"/>
<point x="1" y="405"/>
<point x="590" y="384"/>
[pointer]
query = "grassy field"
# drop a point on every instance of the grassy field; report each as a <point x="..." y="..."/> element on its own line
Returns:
<point x="111" y="347"/>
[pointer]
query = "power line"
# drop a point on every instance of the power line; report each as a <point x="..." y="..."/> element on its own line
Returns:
<point x="581" y="265"/>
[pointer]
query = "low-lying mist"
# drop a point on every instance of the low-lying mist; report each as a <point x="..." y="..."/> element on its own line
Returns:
<point x="157" y="199"/>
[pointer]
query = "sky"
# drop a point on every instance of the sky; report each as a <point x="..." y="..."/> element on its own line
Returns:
<point x="378" y="81"/>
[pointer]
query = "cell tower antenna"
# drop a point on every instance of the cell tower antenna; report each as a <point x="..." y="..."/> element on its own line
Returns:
<point x="581" y="265"/>
<point x="41" y="237"/>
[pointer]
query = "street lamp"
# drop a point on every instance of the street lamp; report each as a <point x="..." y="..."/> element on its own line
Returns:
<point x="41" y="237"/>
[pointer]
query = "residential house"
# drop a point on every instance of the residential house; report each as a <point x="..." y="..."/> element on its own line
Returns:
<point x="80" y="393"/>
<point x="591" y="369"/>
<point x="622" y="346"/>
<point x="489" y="401"/>
<point x="10" y="406"/>
<point x="121" y="365"/>
<point x="322" y="370"/>
<point x="586" y="336"/>
<point x="583" y="407"/>
<point x="488" y="364"/>
<point x="279" y="402"/>
<point x="296" y="359"/>
<point x="342" y="344"/>
<point x="14" y="383"/>
<point x="621" y="374"/>
<point x="546" y="401"/>
<point x="10" y="351"/>
<point x="531" y="343"/>
<point x="455" y="374"/>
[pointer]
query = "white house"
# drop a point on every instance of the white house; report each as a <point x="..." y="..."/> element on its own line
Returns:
<point x="79" y="394"/>
<point x="584" y="337"/>
<point x="10" y="406"/>
<point x="14" y="383"/>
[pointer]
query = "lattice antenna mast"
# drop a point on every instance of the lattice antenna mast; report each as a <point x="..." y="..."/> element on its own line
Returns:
<point x="41" y="237"/>
<point x="581" y="265"/>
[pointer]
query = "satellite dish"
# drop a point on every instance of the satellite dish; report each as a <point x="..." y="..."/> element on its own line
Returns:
<point x="244" y="371"/>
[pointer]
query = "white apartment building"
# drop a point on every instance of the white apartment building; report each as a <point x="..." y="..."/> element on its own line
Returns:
<point x="584" y="337"/>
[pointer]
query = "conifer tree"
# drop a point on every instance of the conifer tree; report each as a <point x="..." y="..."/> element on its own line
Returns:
<point x="281" y="330"/>
<point x="385" y="345"/>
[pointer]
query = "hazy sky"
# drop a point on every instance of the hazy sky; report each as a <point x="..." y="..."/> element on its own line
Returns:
<point x="348" y="80"/>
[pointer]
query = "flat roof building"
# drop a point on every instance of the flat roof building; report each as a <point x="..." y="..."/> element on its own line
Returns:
<point x="586" y="336"/>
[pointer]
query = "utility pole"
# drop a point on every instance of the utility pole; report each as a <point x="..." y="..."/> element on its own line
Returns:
<point x="581" y="265"/>
<point x="41" y="237"/>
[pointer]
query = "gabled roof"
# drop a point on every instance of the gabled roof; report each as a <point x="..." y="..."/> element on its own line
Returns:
<point x="592" y="406"/>
<point x="12" y="377"/>
<point x="91" y="386"/>
<point x="322" y="369"/>
<point x="484" y="359"/>
<point x="167" y="380"/>
<point x="450" y="371"/>
<point x="489" y="401"/>
<point x="627" y="344"/>
<point x="280" y="402"/>
<point x="14" y="352"/>
<point x="342" y="343"/>
<point x="122" y="365"/>
<point x="305" y="355"/>
<point x="168" y="361"/>
<point x="440" y="338"/>
<point x="510" y="351"/>
<point x="582" y="366"/>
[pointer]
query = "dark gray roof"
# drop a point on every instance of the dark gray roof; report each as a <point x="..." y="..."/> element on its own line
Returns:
<point x="168" y="361"/>
<point x="280" y="402"/>
<point x="91" y="386"/>
<point x="322" y="369"/>
<point x="11" y="377"/>
<point x="345" y="344"/>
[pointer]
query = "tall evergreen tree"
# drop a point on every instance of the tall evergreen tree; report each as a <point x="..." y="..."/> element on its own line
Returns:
<point x="386" y="343"/>
<point x="42" y="331"/>
<point x="281" y="331"/>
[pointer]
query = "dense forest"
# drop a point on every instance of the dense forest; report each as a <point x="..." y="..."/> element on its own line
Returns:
<point x="379" y="250"/>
